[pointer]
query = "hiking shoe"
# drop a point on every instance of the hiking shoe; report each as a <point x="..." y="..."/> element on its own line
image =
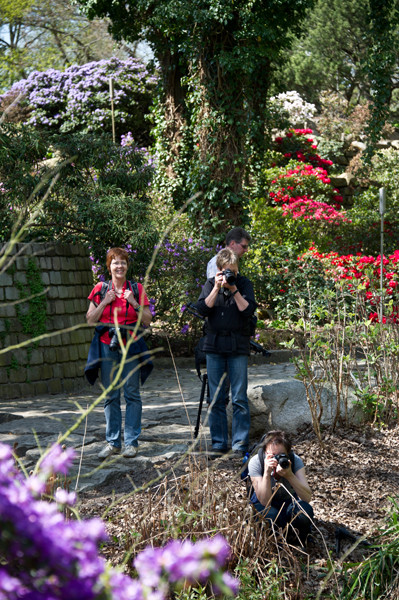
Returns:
<point x="215" y="454"/>
<point x="238" y="453"/>
<point x="130" y="451"/>
<point x="108" y="450"/>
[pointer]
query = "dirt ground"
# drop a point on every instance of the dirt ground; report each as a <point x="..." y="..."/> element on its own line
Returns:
<point x="352" y="478"/>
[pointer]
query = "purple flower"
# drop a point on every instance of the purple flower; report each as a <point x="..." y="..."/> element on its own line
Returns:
<point x="185" y="329"/>
<point x="58" y="460"/>
<point x="64" y="497"/>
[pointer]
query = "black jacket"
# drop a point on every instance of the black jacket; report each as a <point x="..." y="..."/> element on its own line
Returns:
<point x="228" y="330"/>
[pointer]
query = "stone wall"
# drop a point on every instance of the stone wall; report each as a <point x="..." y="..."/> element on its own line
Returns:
<point x="346" y="182"/>
<point x="55" y="364"/>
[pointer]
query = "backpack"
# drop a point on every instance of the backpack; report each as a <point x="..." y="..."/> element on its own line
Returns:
<point x="106" y="285"/>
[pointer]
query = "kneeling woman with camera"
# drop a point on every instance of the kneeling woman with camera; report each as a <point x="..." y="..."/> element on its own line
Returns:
<point x="281" y="491"/>
<point x="117" y="301"/>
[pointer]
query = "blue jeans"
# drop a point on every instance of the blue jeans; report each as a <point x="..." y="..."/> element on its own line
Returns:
<point x="289" y="513"/>
<point x="112" y="405"/>
<point x="236" y="366"/>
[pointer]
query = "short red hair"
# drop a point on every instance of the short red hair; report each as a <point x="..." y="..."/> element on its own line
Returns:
<point x="116" y="253"/>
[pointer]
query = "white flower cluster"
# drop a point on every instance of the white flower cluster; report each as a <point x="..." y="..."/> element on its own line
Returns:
<point x="291" y="102"/>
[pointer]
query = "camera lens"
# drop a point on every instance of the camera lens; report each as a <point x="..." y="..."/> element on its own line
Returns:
<point x="230" y="276"/>
<point x="114" y="343"/>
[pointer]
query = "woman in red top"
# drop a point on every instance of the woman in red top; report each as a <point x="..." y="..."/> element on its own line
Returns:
<point x="119" y="303"/>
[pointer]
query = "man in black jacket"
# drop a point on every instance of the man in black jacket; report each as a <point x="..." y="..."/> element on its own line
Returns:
<point x="227" y="300"/>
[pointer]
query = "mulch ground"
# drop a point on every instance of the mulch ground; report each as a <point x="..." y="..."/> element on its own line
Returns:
<point x="352" y="478"/>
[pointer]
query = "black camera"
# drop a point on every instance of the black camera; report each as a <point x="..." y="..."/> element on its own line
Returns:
<point x="230" y="276"/>
<point x="283" y="460"/>
<point x="114" y="343"/>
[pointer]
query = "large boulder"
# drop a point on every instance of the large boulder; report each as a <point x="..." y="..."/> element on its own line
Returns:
<point x="281" y="403"/>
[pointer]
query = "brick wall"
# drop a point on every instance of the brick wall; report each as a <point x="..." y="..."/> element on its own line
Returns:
<point x="54" y="364"/>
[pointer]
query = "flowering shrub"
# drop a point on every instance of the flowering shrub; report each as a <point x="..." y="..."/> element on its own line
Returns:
<point x="304" y="191"/>
<point x="296" y="146"/>
<point x="362" y="275"/>
<point x="299" y="204"/>
<point x="355" y="278"/>
<point x="45" y="556"/>
<point x="298" y="109"/>
<point x="77" y="99"/>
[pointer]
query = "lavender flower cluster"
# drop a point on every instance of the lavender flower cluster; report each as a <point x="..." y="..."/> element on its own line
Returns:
<point x="78" y="98"/>
<point x="44" y="556"/>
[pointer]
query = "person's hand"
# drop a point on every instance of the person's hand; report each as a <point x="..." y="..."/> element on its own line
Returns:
<point x="219" y="280"/>
<point x="284" y="472"/>
<point x="270" y="464"/>
<point x="109" y="297"/>
<point x="129" y="297"/>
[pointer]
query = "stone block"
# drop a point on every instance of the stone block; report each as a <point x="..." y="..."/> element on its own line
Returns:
<point x="87" y="278"/>
<point x="47" y="371"/>
<point x="2" y="294"/>
<point x="74" y="277"/>
<point x="5" y="360"/>
<point x="6" y="280"/>
<point x="71" y="385"/>
<point x="20" y="277"/>
<point x="65" y="281"/>
<point x="57" y="264"/>
<point x="15" y="327"/>
<point x="12" y="293"/>
<point x="40" y="388"/>
<point x="46" y="279"/>
<point x="3" y="376"/>
<point x="62" y="354"/>
<point x="8" y="311"/>
<point x="54" y="386"/>
<point x="59" y="307"/>
<point x="26" y="389"/>
<point x="55" y="277"/>
<point x="69" y="306"/>
<point x="68" y="264"/>
<point x="58" y="371"/>
<point x="37" y="357"/>
<point x="78" y="337"/>
<point x="18" y="375"/>
<point x="83" y="351"/>
<point x="10" y="391"/>
<point x="21" y="263"/>
<point x="45" y="263"/>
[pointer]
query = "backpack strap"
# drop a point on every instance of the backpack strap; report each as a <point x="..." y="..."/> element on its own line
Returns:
<point x="105" y="286"/>
<point x="134" y="287"/>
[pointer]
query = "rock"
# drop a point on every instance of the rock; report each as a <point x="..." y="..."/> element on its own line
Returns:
<point x="342" y="180"/>
<point x="284" y="405"/>
<point x="359" y="146"/>
<point x="7" y="417"/>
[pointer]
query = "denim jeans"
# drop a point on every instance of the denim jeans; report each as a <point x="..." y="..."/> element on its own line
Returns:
<point x="289" y="513"/>
<point x="236" y="366"/>
<point x="112" y="405"/>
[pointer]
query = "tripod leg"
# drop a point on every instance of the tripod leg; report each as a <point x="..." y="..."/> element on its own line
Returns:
<point x="203" y="388"/>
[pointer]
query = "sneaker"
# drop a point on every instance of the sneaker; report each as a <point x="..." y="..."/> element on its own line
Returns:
<point x="215" y="454"/>
<point x="108" y="450"/>
<point x="130" y="451"/>
<point x="238" y="453"/>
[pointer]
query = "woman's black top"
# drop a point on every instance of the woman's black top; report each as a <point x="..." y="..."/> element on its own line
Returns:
<point x="228" y="330"/>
